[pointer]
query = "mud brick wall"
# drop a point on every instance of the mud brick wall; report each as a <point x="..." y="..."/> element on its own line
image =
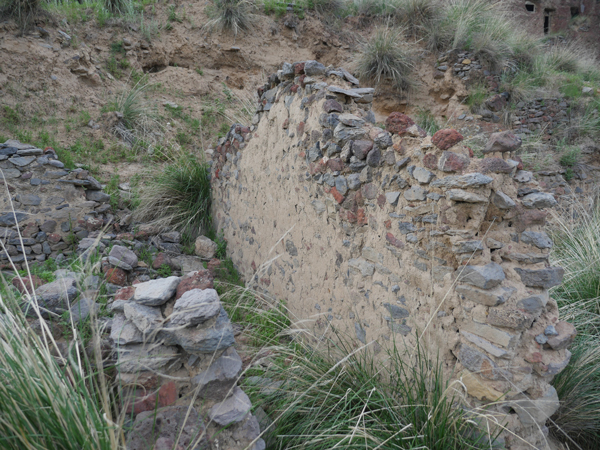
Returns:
<point x="392" y="234"/>
<point x="51" y="205"/>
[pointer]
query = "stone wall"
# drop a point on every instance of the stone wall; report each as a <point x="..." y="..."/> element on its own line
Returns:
<point x="393" y="234"/>
<point x="53" y="206"/>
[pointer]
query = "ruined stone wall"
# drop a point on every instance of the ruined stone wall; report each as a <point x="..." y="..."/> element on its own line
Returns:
<point x="393" y="234"/>
<point x="53" y="206"/>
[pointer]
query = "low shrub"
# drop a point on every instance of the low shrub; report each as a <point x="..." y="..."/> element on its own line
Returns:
<point x="233" y="15"/>
<point x="386" y="57"/>
<point x="177" y="196"/>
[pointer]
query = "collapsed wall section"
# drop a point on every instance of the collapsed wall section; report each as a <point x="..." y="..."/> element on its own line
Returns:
<point x="391" y="233"/>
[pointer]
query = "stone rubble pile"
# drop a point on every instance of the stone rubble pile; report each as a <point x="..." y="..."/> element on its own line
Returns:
<point x="396" y="232"/>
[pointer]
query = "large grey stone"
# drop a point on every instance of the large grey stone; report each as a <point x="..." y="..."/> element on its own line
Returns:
<point x="58" y="295"/>
<point x="82" y="309"/>
<point x="502" y="201"/>
<point x="491" y="297"/>
<point x="11" y="218"/>
<point x="343" y="133"/>
<point x="459" y="195"/>
<point x="232" y="410"/>
<point x="415" y="193"/>
<point x="195" y="306"/>
<point x="314" y="68"/>
<point x="144" y="357"/>
<point x="484" y="277"/>
<point x="544" y="278"/>
<point x="203" y="338"/>
<point x="97" y="196"/>
<point x="124" y="332"/>
<point x="22" y="161"/>
<point x="122" y="257"/>
<point x="146" y="318"/>
<point x="463" y="181"/>
<point x="536" y="412"/>
<point x="485" y="345"/>
<point x="423" y="175"/>
<point x="540" y="240"/>
<point x="539" y="200"/>
<point x="467" y="247"/>
<point x="155" y="292"/>
<point x="217" y="381"/>
<point x="205" y="248"/>
<point x="533" y="305"/>
<point x="477" y="362"/>
<point x="29" y="199"/>
<point x="160" y="429"/>
<point x="392" y="197"/>
<point x="504" y="141"/>
<point x="396" y="312"/>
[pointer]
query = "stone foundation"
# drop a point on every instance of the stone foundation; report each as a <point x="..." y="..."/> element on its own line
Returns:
<point x="393" y="234"/>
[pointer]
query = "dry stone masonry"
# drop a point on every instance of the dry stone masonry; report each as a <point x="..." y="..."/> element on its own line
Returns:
<point x="387" y="233"/>
<point x="52" y="205"/>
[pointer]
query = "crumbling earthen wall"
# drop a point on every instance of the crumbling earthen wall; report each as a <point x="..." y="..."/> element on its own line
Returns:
<point x="391" y="233"/>
<point x="53" y="206"/>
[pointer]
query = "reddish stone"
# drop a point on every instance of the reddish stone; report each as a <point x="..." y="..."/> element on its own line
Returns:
<point x="338" y="197"/>
<point x="300" y="129"/>
<point x="471" y="154"/>
<point x="430" y="161"/>
<point x="398" y="123"/>
<point x="453" y="162"/>
<point x="381" y="200"/>
<point x="213" y="265"/>
<point x="165" y="396"/>
<point x="520" y="161"/>
<point x="361" y="217"/>
<point x="399" y="148"/>
<point x="361" y="148"/>
<point x="31" y="230"/>
<point x="253" y="265"/>
<point x="351" y="217"/>
<point x="369" y="191"/>
<point x="394" y="241"/>
<point x="332" y="106"/>
<point x="528" y="217"/>
<point x="294" y="88"/>
<point x="201" y="279"/>
<point x="54" y="238"/>
<point x="164" y="259"/>
<point x="93" y="224"/>
<point x="125" y="293"/>
<point x="387" y="224"/>
<point x="358" y="197"/>
<point x="447" y="138"/>
<point x="496" y="103"/>
<point x="116" y="276"/>
<point x="298" y="68"/>
<point x="495" y="165"/>
<point x="535" y="357"/>
<point x="27" y="284"/>
<point x="301" y="81"/>
<point x="335" y="164"/>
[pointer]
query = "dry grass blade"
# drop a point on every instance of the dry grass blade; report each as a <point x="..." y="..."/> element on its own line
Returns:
<point x="234" y="15"/>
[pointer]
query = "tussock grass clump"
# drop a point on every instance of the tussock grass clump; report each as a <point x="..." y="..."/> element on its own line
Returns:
<point x="234" y="15"/>
<point x="43" y="405"/>
<point x="178" y="197"/>
<point x="417" y="17"/>
<point x="578" y="387"/>
<point x="119" y="6"/>
<point x="385" y="57"/>
<point x="344" y="398"/>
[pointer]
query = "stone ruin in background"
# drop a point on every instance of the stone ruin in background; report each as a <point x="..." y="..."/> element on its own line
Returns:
<point x="393" y="234"/>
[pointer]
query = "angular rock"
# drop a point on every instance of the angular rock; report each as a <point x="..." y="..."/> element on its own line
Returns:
<point x="463" y="181"/>
<point x="453" y="162"/>
<point x="217" y="381"/>
<point x="544" y="278"/>
<point x="82" y="309"/>
<point x="58" y="295"/>
<point x="156" y="292"/>
<point x="146" y="318"/>
<point x="201" y="339"/>
<point x="495" y="165"/>
<point x="384" y="140"/>
<point x="502" y="201"/>
<point x="332" y="106"/>
<point x="374" y="157"/>
<point x="539" y="200"/>
<point x="504" y="141"/>
<point x="343" y="133"/>
<point x="525" y="258"/>
<point x="160" y="429"/>
<point x="200" y="279"/>
<point x="484" y="344"/>
<point x="460" y="195"/>
<point x="124" y="332"/>
<point x="491" y="297"/>
<point x="398" y="123"/>
<point x="232" y="410"/>
<point x="361" y="148"/>
<point x="477" y="362"/>
<point x="536" y="412"/>
<point x="97" y="196"/>
<point x="415" y="193"/>
<point x="510" y="318"/>
<point x="467" y="247"/>
<point x="564" y="338"/>
<point x="205" y="248"/>
<point x="446" y="138"/>
<point x="314" y="68"/>
<point x="195" y="307"/>
<point x="392" y="198"/>
<point x="422" y="175"/>
<point x="539" y="240"/>
<point x="122" y="257"/>
<point x="484" y="277"/>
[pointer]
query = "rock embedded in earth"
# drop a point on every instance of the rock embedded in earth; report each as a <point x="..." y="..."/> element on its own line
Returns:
<point x="205" y="248"/>
<point x="146" y="318"/>
<point x="544" y="278"/>
<point x="398" y="123"/>
<point x="124" y="332"/>
<point x="447" y="138"/>
<point x="58" y="295"/>
<point x="232" y="410"/>
<point x="198" y="279"/>
<point x="504" y="141"/>
<point x="459" y="195"/>
<point x="540" y="240"/>
<point x="453" y="162"/>
<point x="539" y="200"/>
<point x="502" y="201"/>
<point x="217" y="381"/>
<point x="123" y="258"/>
<point x="483" y="277"/>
